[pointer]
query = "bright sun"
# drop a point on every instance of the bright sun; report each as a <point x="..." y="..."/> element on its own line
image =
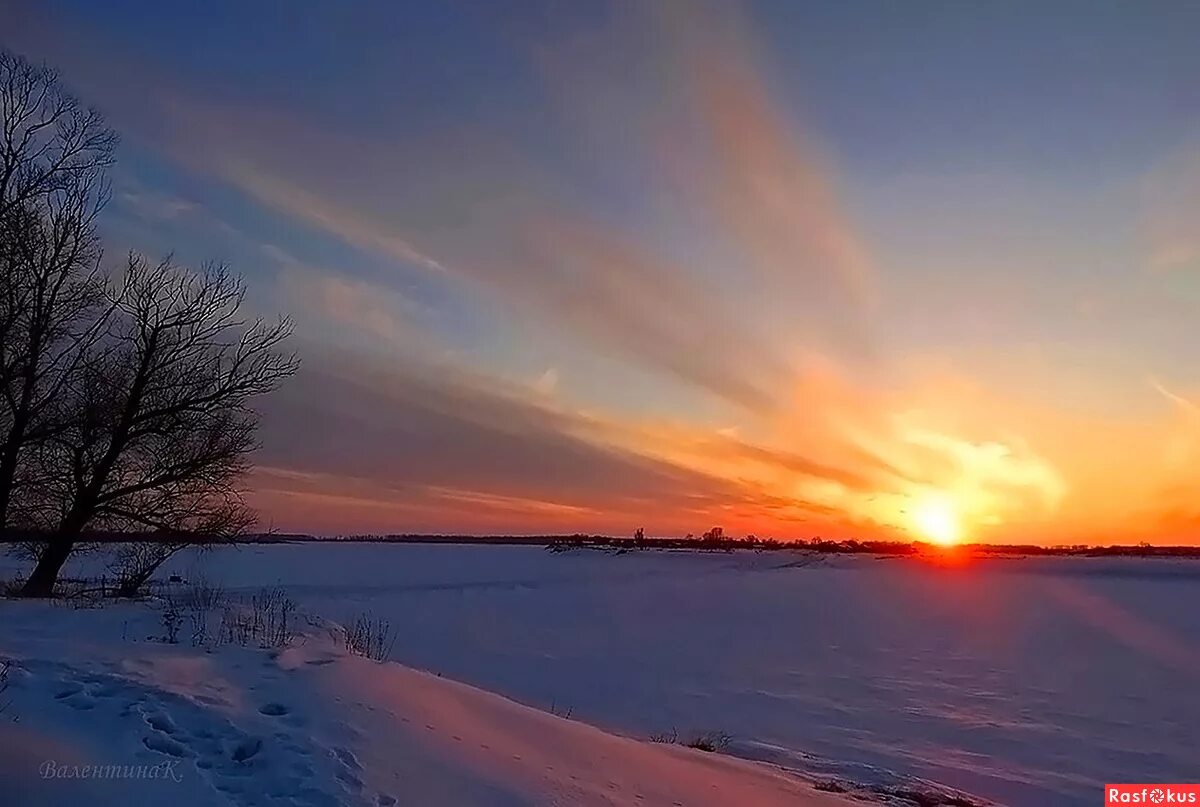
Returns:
<point x="936" y="519"/>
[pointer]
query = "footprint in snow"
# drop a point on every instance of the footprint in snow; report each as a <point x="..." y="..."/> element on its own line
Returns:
<point x="81" y="701"/>
<point x="346" y="756"/>
<point x="238" y="765"/>
<point x="161" y="721"/>
<point x="103" y="689"/>
<point x="164" y="745"/>
<point x="246" y="749"/>
<point x="348" y="779"/>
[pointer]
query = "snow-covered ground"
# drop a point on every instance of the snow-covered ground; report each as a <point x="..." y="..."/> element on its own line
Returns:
<point x="97" y="712"/>
<point x="1024" y="681"/>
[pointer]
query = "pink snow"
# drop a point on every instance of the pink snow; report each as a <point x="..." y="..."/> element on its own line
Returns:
<point x="312" y="725"/>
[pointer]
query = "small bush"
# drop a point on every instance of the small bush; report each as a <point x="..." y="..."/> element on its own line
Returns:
<point x="200" y="600"/>
<point x="266" y="619"/>
<point x="192" y="604"/>
<point x="370" y="638"/>
<point x="172" y="620"/>
<point x="926" y="798"/>
<point x="273" y="610"/>
<point x="200" y="595"/>
<point x="666" y="737"/>
<point x="711" y="741"/>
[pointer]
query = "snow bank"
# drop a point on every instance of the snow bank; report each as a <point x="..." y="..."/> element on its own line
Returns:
<point x="99" y="711"/>
<point x="1028" y="681"/>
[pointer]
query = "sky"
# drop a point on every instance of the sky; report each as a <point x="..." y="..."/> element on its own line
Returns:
<point x="867" y="270"/>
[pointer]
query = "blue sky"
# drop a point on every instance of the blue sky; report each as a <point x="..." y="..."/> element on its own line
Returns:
<point x="790" y="267"/>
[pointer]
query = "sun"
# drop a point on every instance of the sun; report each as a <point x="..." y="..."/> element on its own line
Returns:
<point x="936" y="519"/>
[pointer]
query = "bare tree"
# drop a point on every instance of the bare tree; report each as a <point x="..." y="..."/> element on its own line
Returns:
<point x="121" y="410"/>
<point x="135" y="562"/>
<point x="161" y="422"/>
<point x="53" y="157"/>
<point x="46" y="136"/>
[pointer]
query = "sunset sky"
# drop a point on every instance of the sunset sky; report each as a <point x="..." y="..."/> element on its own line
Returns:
<point x="860" y="269"/>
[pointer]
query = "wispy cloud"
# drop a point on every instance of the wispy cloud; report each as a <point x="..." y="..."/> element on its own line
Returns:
<point x="310" y="207"/>
<point x="497" y="227"/>
<point x="327" y="304"/>
<point x="398" y="430"/>
<point x="647" y="207"/>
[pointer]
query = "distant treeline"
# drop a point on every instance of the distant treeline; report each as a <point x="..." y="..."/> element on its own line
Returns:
<point x="715" y="540"/>
<point x="721" y="543"/>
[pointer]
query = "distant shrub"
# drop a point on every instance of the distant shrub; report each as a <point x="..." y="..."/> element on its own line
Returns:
<point x="266" y="619"/>
<point x="171" y="617"/>
<point x="666" y="737"/>
<point x="927" y="798"/>
<point x="370" y="638"/>
<point x="273" y="611"/>
<point x="711" y="741"/>
<point x="200" y="600"/>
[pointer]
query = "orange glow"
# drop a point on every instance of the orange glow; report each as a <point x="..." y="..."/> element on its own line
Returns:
<point x="934" y="458"/>
<point x="791" y="423"/>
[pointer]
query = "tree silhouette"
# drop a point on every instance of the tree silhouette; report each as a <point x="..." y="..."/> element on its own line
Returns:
<point x="125" y="407"/>
<point x="53" y="157"/>
<point x="160" y="426"/>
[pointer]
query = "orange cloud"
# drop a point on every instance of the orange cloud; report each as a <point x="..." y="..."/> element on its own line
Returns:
<point x="687" y="229"/>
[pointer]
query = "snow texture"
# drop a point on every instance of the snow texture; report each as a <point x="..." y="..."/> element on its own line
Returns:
<point x="1023" y="681"/>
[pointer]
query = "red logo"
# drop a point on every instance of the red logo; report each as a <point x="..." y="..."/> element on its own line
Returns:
<point x="1152" y="794"/>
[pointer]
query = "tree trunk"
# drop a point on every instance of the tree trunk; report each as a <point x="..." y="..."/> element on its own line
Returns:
<point x="8" y="469"/>
<point x="45" y="574"/>
<point x="8" y="465"/>
<point x="130" y="587"/>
